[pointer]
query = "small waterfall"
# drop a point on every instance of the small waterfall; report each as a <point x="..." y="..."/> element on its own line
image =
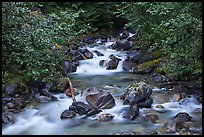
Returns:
<point x="92" y="67"/>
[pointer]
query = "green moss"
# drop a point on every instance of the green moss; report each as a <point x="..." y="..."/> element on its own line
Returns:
<point x="156" y="54"/>
<point x="149" y="64"/>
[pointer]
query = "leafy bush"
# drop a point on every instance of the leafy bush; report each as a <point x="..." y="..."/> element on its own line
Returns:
<point x="173" y="27"/>
<point x="32" y="43"/>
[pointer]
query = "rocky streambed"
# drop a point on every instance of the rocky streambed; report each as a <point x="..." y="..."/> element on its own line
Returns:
<point x="117" y="93"/>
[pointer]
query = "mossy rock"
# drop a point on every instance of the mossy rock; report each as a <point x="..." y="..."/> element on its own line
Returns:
<point x="59" y="85"/>
<point x="146" y="67"/>
<point x="156" y="54"/>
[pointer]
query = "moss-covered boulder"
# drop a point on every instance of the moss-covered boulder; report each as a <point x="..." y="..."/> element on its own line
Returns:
<point x="156" y="54"/>
<point x="136" y="93"/>
<point x="146" y="67"/>
<point x="59" y="85"/>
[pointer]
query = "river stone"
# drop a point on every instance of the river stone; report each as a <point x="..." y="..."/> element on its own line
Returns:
<point x="133" y="55"/>
<point x="59" y="85"/>
<point x="151" y="117"/>
<point x="136" y="93"/>
<point x="128" y="65"/>
<point x="122" y="44"/>
<point x="8" y="117"/>
<point x="101" y="100"/>
<point x="113" y="63"/>
<point x="105" y="117"/>
<point x="67" y="114"/>
<point x="130" y="112"/>
<point x="178" y="96"/>
<point x="178" y="120"/>
<point x="101" y="63"/>
<point x="80" y="107"/>
<point x="126" y="133"/>
<point x="98" y="53"/>
<point x="147" y="103"/>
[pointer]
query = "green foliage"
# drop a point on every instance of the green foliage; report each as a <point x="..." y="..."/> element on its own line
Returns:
<point x="173" y="27"/>
<point x="32" y="42"/>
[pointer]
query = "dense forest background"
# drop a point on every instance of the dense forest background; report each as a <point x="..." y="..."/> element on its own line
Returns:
<point x="35" y="34"/>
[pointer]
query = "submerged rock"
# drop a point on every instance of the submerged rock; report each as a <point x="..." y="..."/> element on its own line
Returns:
<point x="151" y="117"/>
<point x="126" y="133"/>
<point x="105" y="117"/>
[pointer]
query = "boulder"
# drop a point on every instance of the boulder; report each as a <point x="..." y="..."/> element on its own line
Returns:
<point x="134" y="55"/>
<point x="123" y="44"/>
<point x="80" y="107"/>
<point x="128" y="65"/>
<point x="86" y="53"/>
<point x="136" y="93"/>
<point x="69" y="67"/>
<point x="130" y="112"/>
<point x="151" y="117"/>
<point x="178" y="121"/>
<point x="146" y="103"/>
<point x="59" y="86"/>
<point x="101" y="99"/>
<point x="113" y="63"/>
<point x="68" y="114"/>
<point x="83" y="109"/>
<point x="98" y="53"/>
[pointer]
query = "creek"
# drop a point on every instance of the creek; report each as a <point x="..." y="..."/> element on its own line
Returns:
<point x="46" y="119"/>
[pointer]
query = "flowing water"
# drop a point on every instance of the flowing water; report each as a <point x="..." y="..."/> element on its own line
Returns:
<point x="46" y="119"/>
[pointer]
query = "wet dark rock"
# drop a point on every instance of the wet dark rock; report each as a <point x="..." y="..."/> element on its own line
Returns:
<point x="101" y="99"/>
<point x="8" y="117"/>
<point x="36" y="85"/>
<point x="136" y="93"/>
<point x="122" y="44"/>
<point x="93" y="111"/>
<point x="86" y="53"/>
<point x="130" y="112"/>
<point x="128" y="65"/>
<point x="159" y="78"/>
<point x="102" y="63"/>
<point x="177" y="121"/>
<point x="43" y="99"/>
<point x="98" y="53"/>
<point x="48" y="94"/>
<point x="69" y="67"/>
<point x="125" y="34"/>
<point x="146" y="56"/>
<point x="67" y="114"/>
<point x="113" y="63"/>
<point x="147" y="103"/>
<point x="126" y="133"/>
<point x="154" y="133"/>
<point x="178" y="96"/>
<point x="10" y="105"/>
<point x="80" y="108"/>
<point x="11" y="89"/>
<point x="134" y="55"/>
<point x="151" y="117"/>
<point x="59" y="86"/>
<point x="19" y="103"/>
<point x="105" y="117"/>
